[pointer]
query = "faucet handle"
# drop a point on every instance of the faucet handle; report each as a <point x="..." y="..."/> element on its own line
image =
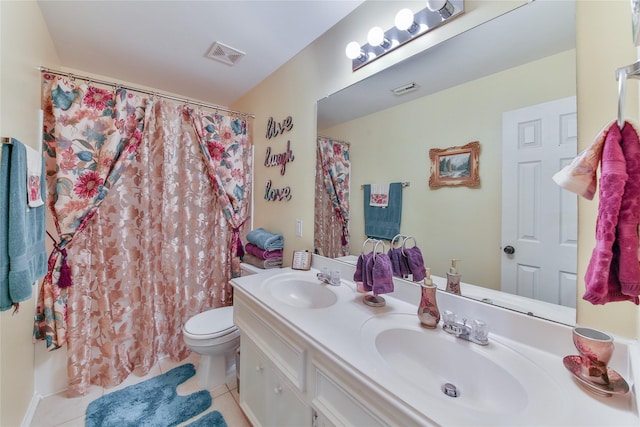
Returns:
<point x="480" y="330"/>
<point x="448" y="317"/>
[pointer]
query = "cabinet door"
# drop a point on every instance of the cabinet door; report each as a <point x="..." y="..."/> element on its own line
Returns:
<point x="253" y="382"/>
<point x="285" y="407"/>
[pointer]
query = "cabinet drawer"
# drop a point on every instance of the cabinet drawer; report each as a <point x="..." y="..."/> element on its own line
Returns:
<point x="283" y="350"/>
<point x="339" y="406"/>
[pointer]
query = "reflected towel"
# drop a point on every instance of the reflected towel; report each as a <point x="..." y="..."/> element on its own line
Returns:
<point x="262" y="263"/>
<point x="382" y="275"/>
<point x="379" y="195"/>
<point x="261" y="253"/>
<point x="399" y="266"/>
<point x="383" y="223"/>
<point x="416" y="263"/>
<point x="266" y="240"/>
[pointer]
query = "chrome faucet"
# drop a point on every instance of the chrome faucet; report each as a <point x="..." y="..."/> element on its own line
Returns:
<point x="332" y="278"/>
<point x="476" y="333"/>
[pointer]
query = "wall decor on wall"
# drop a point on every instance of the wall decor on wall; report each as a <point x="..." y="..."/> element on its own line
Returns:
<point x="280" y="159"/>
<point x="455" y="166"/>
<point x="274" y="129"/>
<point x="276" y="194"/>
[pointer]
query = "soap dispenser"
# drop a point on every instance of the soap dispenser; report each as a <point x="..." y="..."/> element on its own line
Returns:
<point x="428" y="312"/>
<point x="453" y="278"/>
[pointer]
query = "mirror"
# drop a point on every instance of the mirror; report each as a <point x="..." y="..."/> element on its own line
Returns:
<point x="464" y="85"/>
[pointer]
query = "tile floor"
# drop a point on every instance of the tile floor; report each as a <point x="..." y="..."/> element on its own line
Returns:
<point x="61" y="411"/>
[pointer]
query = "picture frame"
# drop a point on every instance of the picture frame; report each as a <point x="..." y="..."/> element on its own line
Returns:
<point x="455" y="166"/>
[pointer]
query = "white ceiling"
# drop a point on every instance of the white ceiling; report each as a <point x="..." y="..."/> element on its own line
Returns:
<point x="162" y="44"/>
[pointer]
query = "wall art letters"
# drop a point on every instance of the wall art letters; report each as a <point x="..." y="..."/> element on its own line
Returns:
<point x="276" y="194"/>
<point x="280" y="159"/>
<point x="274" y="129"/>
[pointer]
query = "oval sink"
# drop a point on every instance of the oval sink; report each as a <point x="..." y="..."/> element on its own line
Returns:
<point x="301" y="290"/>
<point x="493" y="380"/>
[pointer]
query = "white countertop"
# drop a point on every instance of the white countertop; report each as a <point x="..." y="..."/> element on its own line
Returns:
<point x="337" y="332"/>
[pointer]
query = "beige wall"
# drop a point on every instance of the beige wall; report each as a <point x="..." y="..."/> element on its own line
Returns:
<point x="25" y="45"/>
<point x="393" y="145"/>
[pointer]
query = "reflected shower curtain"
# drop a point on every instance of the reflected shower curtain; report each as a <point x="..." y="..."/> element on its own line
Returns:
<point x="153" y="254"/>
<point x="331" y="217"/>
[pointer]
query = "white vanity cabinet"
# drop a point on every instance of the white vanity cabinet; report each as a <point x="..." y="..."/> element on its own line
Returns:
<point x="272" y="373"/>
<point x="267" y="398"/>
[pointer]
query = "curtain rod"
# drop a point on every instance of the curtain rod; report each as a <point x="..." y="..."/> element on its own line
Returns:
<point x="117" y="85"/>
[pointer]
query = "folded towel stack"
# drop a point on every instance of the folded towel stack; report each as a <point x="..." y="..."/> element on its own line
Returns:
<point x="264" y="249"/>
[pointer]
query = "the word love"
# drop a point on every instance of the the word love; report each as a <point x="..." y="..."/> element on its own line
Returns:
<point x="276" y="194"/>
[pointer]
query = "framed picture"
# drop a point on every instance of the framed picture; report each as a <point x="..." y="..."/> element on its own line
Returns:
<point x="455" y="166"/>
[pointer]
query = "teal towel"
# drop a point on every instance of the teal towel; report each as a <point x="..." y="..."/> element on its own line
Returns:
<point x="266" y="240"/>
<point x="383" y="223"/>
<point x="23" y="257"/>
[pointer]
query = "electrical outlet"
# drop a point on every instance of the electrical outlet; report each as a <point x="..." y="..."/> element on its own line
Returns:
<point x="299" y="227"/>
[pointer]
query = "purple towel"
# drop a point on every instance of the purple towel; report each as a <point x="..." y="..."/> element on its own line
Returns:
<point x="399" y="265"/>
<point x="416" y="263"/>
<point x="262" y="253"/>
<point x="367" y="282"/>
<point x="382" y="275"/>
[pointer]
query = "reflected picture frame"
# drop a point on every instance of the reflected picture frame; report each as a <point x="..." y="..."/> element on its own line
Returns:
<point x="455" y="166"/>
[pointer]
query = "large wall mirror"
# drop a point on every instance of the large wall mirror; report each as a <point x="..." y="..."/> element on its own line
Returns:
<point x="489" y="84"/>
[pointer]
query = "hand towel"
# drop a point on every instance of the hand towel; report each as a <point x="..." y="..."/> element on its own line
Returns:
<point x="399" y="265"/>
<point x="367" y="282"/>
<point x="23" y="258"/>
<point x="580" y="175"/>
<point x="262" y="263"/>
<point x="261" y="253"/>
<point x="382" y="275"/>
<point x="601" y="281"/>
<point x="379" y="195"/>
<point x="383" y="223"/>
<point x="266" y="240"/>
<point x="629" y="219"/>
<point x="34" y="177"/>
<point x="416" y="263"/>
<point x="359" y="276"/>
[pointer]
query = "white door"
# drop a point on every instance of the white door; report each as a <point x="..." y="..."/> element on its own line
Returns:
<point x="539" y="219"/>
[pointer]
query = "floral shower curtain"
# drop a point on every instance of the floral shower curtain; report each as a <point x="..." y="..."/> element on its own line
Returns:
<point x="155" y="253"/>
<point x="331" y="222"/>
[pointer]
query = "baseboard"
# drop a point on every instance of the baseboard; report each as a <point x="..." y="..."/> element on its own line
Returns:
<point x="31" y="410"/>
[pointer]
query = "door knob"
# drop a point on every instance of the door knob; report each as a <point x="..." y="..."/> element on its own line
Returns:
<point x="509" y="250"/>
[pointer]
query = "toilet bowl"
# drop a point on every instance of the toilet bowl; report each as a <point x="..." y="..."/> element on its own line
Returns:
<point x="216" y="339"/>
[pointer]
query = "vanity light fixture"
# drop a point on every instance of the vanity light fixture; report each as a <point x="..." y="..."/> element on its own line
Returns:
<point x="408" y="26"/>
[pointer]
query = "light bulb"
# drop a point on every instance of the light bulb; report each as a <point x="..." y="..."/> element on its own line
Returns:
<point x="404" y="19"/>
<point x="353" y="50"/>
<point x="436" y="5"/>
<point x="375" y="36"/>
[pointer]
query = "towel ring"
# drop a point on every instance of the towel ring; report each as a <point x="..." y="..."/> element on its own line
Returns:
<point x="365" y="244"/>
<point x="404" y="243"/>
<point x="398" y="236"/>
<point x="375" y="249"/>
<point x="622" y="83"/>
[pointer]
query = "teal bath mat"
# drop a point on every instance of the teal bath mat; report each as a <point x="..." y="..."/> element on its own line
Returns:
<point x="154" y="402"/>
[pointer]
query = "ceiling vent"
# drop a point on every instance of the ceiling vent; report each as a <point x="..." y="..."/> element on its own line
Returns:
<point x="401" y="90"/>
<point x="223" y="53"/>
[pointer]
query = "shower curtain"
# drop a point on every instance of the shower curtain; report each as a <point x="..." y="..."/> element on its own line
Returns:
<point x="161" y="246"/>
<point x="331" y="216"/>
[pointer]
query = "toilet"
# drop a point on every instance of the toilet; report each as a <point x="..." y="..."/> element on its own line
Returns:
<point x="216" y="339"/>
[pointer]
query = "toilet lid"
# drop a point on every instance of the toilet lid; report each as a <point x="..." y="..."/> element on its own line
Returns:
<point x="211" y="323"/>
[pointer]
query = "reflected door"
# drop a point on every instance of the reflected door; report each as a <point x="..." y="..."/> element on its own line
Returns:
<point x="539" y="219"/>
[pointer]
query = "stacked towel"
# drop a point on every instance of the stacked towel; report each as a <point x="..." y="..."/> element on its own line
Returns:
<point x="23" y="258"/>
<point x="264" y="249"/>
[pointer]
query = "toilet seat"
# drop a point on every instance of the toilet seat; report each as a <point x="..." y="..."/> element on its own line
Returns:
<point x="214" y="323"/>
